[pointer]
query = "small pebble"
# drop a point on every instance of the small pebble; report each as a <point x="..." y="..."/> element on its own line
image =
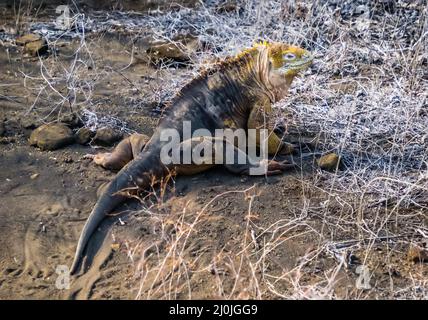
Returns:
<point x="34" y="176"/>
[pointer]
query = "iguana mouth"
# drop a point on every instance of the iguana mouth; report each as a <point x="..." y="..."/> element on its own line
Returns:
<point x="297" y="66"/>
<point x="308" y="58"/>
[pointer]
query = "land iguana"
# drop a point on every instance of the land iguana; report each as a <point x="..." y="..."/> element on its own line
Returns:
<point x="236" y="93"/>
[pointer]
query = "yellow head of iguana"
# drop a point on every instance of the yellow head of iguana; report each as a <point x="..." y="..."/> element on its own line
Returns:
<point x="288" y="60"/>
<point x="278" y="64"/>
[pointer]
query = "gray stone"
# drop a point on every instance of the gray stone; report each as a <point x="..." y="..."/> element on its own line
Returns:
<point x="51" y="136"/>
<point x="84" y="135"/>
<point x="179" y="50"/>
<point x="107" y="137"/>
<point x="27" y="38"/>
<point x="329" y="162"/>
<point x="35" y="48"/>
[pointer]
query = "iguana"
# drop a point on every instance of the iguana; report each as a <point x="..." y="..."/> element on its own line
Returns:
<point x="236" y="93"/>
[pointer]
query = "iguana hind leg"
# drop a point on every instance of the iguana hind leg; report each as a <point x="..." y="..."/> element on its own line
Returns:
<point x="124" y="152"/>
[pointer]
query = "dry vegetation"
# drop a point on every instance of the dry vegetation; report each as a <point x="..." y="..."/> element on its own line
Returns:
<point x="365" y="98"/>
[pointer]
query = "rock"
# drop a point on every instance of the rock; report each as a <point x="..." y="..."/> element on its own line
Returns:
<point x="179" y="50"/>
<point x="84" y="135"/>
<point x="33" y="44"/>
<point x="35" y="48"/>
<point x="29" y="122"/>
<point x="329" y="162"/>
<point x="107" y="137"/>
<point x="51" y="136"/>
<point x="72" y="120"/>
<point x="34" y="176"/>
<point x="22" y="41"/>
<point x="417" y="253"/>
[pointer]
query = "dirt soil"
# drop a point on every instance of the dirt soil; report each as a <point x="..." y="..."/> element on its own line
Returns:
<point x="213" y="235"/>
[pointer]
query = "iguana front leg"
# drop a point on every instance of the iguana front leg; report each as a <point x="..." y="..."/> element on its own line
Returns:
<point x="259" y="119"/>
<point x="272" y="167"/>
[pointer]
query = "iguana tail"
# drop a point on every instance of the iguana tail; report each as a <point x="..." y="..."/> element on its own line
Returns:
<point x="138" y="172"/>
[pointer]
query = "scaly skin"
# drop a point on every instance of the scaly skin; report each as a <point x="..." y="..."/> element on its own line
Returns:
<point x="236" y="94"/>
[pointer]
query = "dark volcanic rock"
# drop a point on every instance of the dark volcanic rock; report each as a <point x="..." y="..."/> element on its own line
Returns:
<point x="179" y="50"/>
<point x="29" y="122"/>
<point x="36" y="48"/>
<point x="72" y="120"/>
<point x="84" y="135"/>
<point x="329" y="162"/>
<point x="33" y="44"/>
<point x="31" y="37"/>
<point x="107" y="137"/>
<point x="51" y="136"/>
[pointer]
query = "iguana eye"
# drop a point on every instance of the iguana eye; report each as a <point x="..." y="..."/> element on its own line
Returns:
<point x="288" y="56"/>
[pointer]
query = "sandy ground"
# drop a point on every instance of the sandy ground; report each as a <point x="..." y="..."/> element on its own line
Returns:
<point x="214" y="235"/>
